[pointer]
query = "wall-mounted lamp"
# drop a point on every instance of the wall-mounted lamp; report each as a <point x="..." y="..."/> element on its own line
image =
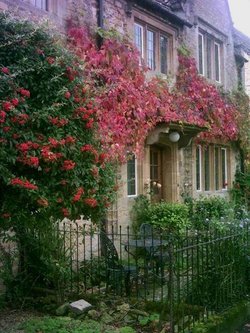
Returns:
<point x="174" y="136"/>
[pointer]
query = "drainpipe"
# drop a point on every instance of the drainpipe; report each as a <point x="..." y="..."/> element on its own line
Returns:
<point x="100" y="13"/>
<point x="100" y="23"/>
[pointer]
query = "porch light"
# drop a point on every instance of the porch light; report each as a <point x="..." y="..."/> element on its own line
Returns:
<point x="174" y="136"/>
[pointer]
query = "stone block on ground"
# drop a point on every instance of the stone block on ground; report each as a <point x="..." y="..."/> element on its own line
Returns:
<point x="80" y="306"/>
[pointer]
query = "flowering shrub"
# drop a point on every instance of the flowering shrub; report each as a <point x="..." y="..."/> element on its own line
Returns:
<point x="51" y="161"/>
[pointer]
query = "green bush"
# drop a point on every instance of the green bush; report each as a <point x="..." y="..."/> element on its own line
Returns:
<point x="171" y="217"/>
<point x="210" y="209"/>
<point x="240" y="193"/>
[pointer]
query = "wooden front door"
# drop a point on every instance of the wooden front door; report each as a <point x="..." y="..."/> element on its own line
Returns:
<point x="156" y="174"/>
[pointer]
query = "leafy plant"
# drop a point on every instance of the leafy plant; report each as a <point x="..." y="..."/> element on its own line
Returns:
<point x="240" y="192"/>
<point x="171" y="217"/>
<point x="127" y="329"/>
<point x="154" y="317"/>
<point x="93" y="272"/>
<point x="60" y="325"/>
<point x="209" y="211"/>
<point x="139" y="212"/>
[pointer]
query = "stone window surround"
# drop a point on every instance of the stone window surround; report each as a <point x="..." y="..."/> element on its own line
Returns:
<point x="149" y="21"/>
<point x="223" y="183"/>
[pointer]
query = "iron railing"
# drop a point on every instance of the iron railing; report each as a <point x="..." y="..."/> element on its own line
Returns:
<point x="193" y="273"/>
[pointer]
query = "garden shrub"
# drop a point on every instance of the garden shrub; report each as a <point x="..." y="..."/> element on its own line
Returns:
<point x="51" y="160"/>
<point x="170" y="217"/>
<point x="209" y="210"/>
<point x="240" y="193"/>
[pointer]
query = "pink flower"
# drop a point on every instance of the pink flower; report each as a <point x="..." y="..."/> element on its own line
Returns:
<point x="7" y="106"/>
<point x="24" y="92"/>
<point x="2" y="116"/>
<point x="90" y="123"/>
<point x="24" y="147"/>
<point x="67" y="94"/>
<point x="43" y="202"/>
<point x="102" y="157"/>
<point x="65" y="212"/>
<point x="15" y="101"/>
<point x="69" y="139"/>
<point x="48" y="155"/>
<point x="33" y="161"/>
<point x="53" y="142"/>
<point x="87" y="148"/>
<point x="21" y="119"/>
<point x="59" y="122"/>
<point x="5" y="70"/>
<point x="78" y="194"/>
<point x="23" y="183"/>
<point x="50" y="60"/>
<point x="90" y="202"/>
<point x="68" y="165"/>
<point x="6" y="128"/>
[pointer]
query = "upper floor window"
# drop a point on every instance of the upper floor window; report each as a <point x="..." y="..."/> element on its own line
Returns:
<point x="154" y="46"/>
<point x="209" y="56"/>
<point x="42" y="4"/>
<point x="132" y="176"/>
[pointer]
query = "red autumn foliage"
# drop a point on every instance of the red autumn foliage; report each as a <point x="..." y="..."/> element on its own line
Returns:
<point x="127" y="105"/>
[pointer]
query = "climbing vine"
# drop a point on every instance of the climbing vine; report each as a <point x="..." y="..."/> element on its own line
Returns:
<point x="128" y="105"/>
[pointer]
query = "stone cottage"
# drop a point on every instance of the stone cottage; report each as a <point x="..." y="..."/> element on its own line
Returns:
<point x="173" y="164"/>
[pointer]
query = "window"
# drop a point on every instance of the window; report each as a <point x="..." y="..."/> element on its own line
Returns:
<point x="198" y="168"/>
<point x="209" y="56"/>
<point x="216" y="169"/>
<point x="217" y="61"/>
<point x="151" y="49"/>
<point x="224" y="168"/>
<point x="201" y="55"/>
<point x="211" y="168"/>
<point x="42" y="4"/>
<point x="138" y="34"/>
<point x="207" y="168"/>
<point x="153" y="45"/>
<point x="131" y="176"/>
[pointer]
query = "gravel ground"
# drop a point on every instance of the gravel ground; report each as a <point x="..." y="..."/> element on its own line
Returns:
<point x="10" y="320"/>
